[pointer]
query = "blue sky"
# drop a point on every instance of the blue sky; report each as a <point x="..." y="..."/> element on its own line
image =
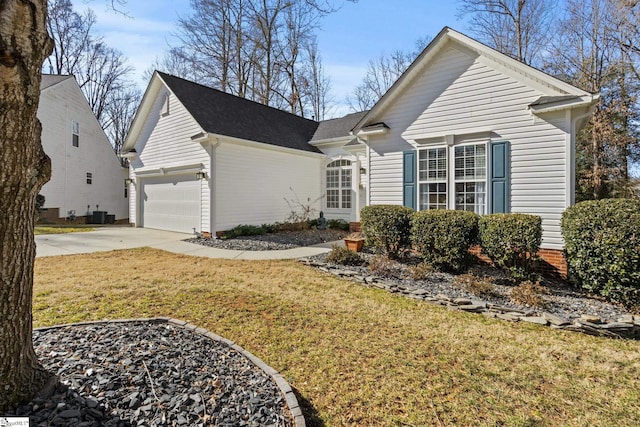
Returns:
<point x="348" y="39"/>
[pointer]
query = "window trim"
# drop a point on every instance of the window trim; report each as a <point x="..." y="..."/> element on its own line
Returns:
<point x="339" y="165"/>
<point x="450" y="178"/>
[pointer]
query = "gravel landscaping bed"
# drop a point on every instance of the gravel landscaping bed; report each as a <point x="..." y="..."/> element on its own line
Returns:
<point x="559" y="298"/>
<point x="273" y="241"/>
<point x="150" y="374"/>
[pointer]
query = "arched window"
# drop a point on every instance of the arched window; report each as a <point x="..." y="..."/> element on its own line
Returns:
<point x="338" y="184"/>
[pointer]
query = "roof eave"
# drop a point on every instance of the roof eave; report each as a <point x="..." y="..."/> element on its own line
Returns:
<point x="583" y="101"/>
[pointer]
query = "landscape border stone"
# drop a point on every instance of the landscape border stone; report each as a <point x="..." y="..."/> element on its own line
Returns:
<point x="626" y="326"/>
<point x="285" y="388"/>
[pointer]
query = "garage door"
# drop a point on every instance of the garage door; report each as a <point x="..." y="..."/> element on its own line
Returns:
<point x="171" y="203"/>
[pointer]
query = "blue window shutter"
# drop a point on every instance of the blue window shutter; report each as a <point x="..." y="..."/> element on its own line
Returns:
<point x="409" y="179"/>
<point x="500" y="171"/>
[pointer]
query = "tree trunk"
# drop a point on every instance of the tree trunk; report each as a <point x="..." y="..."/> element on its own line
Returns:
<point x="24" y="44"/>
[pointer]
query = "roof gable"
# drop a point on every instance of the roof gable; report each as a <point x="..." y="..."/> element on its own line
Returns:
<point x="221" y="113"/>
<point x="545" y="83"/>
<point x="49" y="80"/>
<point x="338" y="127"/>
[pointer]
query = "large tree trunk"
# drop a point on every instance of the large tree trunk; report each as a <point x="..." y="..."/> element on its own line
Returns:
<point x="24" y="168"/>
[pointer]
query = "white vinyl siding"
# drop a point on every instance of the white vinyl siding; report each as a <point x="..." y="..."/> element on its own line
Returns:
<point x="64" y="112"/>
<point x="253" y="184"/>
<point x="169" y="145"/>
<point x="461" y="93"/>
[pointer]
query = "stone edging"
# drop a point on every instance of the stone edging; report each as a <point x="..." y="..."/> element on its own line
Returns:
<point x="278" y="379"/>
<point x="627" y="326"/>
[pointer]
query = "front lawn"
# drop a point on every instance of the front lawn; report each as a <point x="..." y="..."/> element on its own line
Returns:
<point x="48" y="229"/>
<point x="358" y="356"/>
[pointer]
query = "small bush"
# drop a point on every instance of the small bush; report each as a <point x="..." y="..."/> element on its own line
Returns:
<point x="603" y="247"/>
<point x="421" y="271"/>
<point x="386" y="228"/>
<point x="382" y="266"/>
<point x="343" y="256"/>
<point x="530" y="294"/>
<point x="443" y="237"/>
<point x="479" y="286"/>
<point x="338" y="224"/>
<point x="244" y="230"/>
<point x="511" y="241"/>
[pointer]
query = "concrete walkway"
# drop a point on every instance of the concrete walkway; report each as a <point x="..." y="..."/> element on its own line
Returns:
<point x="114" y="238"/>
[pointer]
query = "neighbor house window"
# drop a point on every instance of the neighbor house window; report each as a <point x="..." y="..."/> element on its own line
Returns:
<point x="338" y="184"/>
<point x="468" y="178"/>
<point x="89" y="178"/>
<point x="75" y="137"/>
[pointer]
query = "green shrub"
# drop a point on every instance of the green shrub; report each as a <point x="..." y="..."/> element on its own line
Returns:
<point x="603" y="247"/>
<point x="511" y="241"/>
<point x="244" y="230"/>
<point x="386" y="228"/>
<point x="443" y="237"/>
<point x="343" y="256"/>
<point x="338" y="224"/>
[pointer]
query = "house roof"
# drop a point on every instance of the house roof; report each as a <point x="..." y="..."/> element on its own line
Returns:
<point x="49" y="80"/>
<point x="221" y="113"/>
<point x="553" y="88"/>
<point x="337" y="128"/>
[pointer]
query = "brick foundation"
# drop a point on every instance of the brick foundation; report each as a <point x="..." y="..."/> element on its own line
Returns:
<point x="354" y="227"/>
<point x="552" y="262"/>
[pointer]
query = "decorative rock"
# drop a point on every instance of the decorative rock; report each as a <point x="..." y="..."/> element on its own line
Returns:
<point x="627" y="318"/>
<point x="555" y="320"/>
<point x="476" y="308"/>
<point x="590" y="319"/>
<point x="186" y="368"/>
<point x="535" y="319"/>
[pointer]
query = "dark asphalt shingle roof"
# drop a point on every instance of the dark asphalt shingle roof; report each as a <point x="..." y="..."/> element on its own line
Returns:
<point x="221" y="113"/>
<point x="335" y="128"/>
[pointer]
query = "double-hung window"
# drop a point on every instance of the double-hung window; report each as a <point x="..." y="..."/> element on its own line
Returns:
<point x="471" y="178"/>
<point x="453" y="177"/>
<point x="338" y="184"/>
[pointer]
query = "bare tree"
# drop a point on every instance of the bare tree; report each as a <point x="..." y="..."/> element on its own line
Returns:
<point x="588" y="52"/>
<point x="24" y="44"/>
<point x="252" y="48"/>
<point x="382" y="73"/>
<point x="118" y="115"/>
<point x="71" y="33"/>
<point x="316" y="86"/>
<point x="518" y="28"/>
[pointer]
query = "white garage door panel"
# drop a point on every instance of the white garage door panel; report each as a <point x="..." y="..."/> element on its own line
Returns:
<point x="172" y="204"/>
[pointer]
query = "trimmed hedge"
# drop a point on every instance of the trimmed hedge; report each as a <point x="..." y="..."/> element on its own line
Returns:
<point x="511" y="241"/>
<point x="603" y="247"/>
<point x="386" y="228"/>
<point x="443" y="237"/>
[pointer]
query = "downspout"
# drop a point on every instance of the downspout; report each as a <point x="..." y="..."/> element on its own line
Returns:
<point x="211" y="148"/>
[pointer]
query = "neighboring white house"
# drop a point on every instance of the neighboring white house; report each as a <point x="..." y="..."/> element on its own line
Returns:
<point x="86" y="174"/>
<point x="465" y="127"/>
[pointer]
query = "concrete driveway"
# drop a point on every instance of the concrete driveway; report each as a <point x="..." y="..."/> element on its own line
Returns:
<point x="113" y="238"/>
<point x="104" y="239"/>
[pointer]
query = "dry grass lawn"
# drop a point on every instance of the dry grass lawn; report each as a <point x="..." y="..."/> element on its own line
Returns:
<point x="359" y="356"/>
<point x="43" y="229"/>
